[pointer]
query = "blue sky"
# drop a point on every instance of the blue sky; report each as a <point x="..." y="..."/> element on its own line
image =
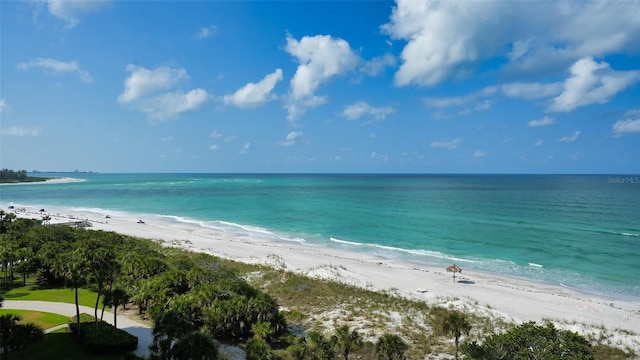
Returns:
<point x="332" y="86"/>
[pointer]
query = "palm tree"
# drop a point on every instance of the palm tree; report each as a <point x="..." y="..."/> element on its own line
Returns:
<point x="299" y="349"/>
<point x="102" y="268"/>
<point x="5" y="221"/>
<point x="455" y="323"/>
<point x="263" y="308"/>
<point x="171" y="324"/>
<point x="28" y="263"/>
<point x="7" y="324"/>
<point x="24" y="335"/>
<point x="6" y="251"/>
<point x="346" y="340"/>
<point x="73" y="268"/>
<point x="319" y="347"/>
<point x="391" y="347"/>
<point x="195" y="345"/>
<point x="167" y="329"/>
<point x="312" y="347"/>
<point x="115" y="298"/>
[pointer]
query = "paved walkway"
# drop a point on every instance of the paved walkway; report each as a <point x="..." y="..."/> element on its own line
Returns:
<point x="52" y="329"/>
<point x="142" y="331"/>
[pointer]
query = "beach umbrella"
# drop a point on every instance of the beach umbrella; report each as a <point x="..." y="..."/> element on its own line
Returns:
<point x="454" y="269"/>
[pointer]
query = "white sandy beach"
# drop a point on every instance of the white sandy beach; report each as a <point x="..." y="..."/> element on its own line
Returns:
<point x="513" y="299"/>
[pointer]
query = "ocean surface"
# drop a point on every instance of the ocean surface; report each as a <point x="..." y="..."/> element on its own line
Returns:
<point x="578" y="231"/>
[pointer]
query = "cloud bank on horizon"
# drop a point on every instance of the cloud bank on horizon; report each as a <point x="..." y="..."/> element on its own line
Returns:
<point x="426" y="86"/>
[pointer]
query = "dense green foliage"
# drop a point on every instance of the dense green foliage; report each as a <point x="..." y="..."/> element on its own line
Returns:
<point x="57" y="345"/>
<point x="15" y="336"/>
<point x="101" y="338"/>
<point x="215" y="300"/>
<point x="10" y="176"/>
<point x="531" y="341"/>
<point x="391" y="347"/>
<point x="175" y="337"/>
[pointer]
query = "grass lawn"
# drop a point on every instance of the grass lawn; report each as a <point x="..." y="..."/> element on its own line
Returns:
<point x="58" y="343"/>
<point x="43" y="319"/>
<point x="35" y="292"/>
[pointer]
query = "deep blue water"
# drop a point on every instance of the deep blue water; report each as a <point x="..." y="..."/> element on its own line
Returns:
<point x="581" y="231"/>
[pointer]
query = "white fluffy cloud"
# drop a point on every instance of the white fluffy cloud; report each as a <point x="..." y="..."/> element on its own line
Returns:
<point x="479" y="153"/>
<point x="439" y="35"/>
<point x="361" y="108"/>
<point x="592" y="82"/>
<point x="172" y="104"/>
<point x="72" y="11"/>
<point x="146" y="90"/>
<point x="447" y="39"/>
<point x="446" y="144"/>
<point x="144" y="82"/>
<point x="631" y="123"/>
<point x="20" y="131"/>
<point x="320" y="59"/>
<point x="545" y="121"/>
<point x="57" y="67"/>
<point x="572" y="138"/>
<point x="255" y="94"/>
<point x="626" y="126"/>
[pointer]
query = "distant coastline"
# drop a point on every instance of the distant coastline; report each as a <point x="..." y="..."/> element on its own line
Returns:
<point x="12" y="177"/>
<point x="23" y="181"/>
<point x="44" y="181"/>
<point x="8" y="176"/>
<point x="64" y="172"/>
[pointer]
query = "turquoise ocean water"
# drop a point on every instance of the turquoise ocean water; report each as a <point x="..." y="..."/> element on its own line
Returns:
<point x="578" y="231"/>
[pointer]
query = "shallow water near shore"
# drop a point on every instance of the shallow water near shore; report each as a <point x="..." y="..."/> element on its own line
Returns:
<point x="578" y="231"/>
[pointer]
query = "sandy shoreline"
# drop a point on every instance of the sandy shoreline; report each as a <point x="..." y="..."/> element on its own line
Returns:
<point x="63" y="180"/>
<point x="514" y="299"/>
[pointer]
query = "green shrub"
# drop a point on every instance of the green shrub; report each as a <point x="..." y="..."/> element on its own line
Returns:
<point x="103" y="339"/>
<point x="531" y="341"/>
